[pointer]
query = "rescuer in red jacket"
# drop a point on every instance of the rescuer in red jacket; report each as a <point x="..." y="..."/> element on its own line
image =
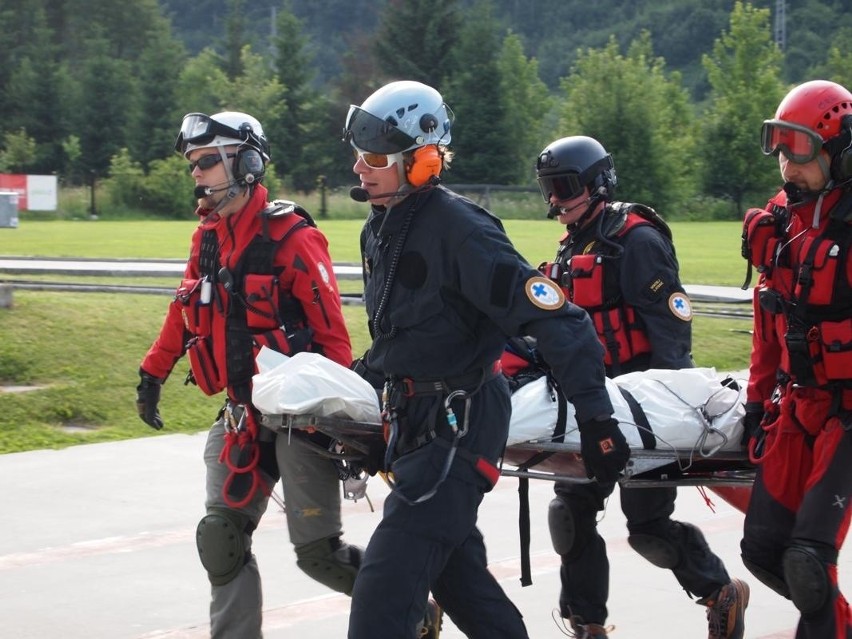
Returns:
<point x="800" y="375"/>
<point x="258" y="274"/>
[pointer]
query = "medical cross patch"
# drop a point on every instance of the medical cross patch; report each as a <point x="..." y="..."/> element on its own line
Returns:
<point x="680" y="306"/>
<point x="544" y="293"/>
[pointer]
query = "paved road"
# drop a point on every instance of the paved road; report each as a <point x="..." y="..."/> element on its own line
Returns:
<point x="97" y="542"/>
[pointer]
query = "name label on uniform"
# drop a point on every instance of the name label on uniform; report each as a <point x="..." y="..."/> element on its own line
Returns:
<point x="544" y="293"/>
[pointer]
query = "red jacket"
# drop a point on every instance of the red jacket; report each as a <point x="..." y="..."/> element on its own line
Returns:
<point x="302" y="271"/>
<point x="803" y="253"/>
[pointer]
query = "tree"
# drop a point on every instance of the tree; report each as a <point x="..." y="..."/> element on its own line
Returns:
<point x="108" y="107"/>
<point x="474" y="91"/>
<point x="415" y="39"/>
<point x="235" y="40"/>
<point x="642" y="117"/>
<point x="527" y="102"/>
<point x="744" y="73"/>
<point x="19" y="152"/>
<point x="290" y="131"/>
<point x="202" y="84"/>
<point x="152" y="134"/>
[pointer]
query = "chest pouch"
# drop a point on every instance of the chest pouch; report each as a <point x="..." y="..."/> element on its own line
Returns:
<point x="261" y="297"/>
<point x="585" y="278"/>
<point x="759" y="240"/>
<point x="194" y="297"/>
<point x="205" y="373"/>
<point x="836" y="349"/>
<point x="816" y="281"/>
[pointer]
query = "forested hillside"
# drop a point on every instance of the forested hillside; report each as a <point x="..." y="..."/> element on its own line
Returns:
<point x="676" y="89"/>
<point x="551" y="30"/>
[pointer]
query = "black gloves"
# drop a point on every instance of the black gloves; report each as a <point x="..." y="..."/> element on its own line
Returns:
<point x="604" y="449"/>
<point x="751" y="422"/>
<point x="147" y="398"/>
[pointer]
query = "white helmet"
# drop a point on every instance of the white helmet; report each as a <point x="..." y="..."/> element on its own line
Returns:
<point x="399" y="117"/>
<point x="229" y="128"/>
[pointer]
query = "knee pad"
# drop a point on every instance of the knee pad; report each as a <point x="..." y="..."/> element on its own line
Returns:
<point x="664" y="542"/>
<point x="767" y="577"/>
<point x="221" y="542"/>
<point x="806" y="574"/>
<point x="659" y="551"/>
<point x="330" y="562"/>
<point x="570" y="530"/>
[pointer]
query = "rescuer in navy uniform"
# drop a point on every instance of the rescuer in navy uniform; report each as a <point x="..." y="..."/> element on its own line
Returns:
<point x="617" y="261"/>
<point x="444" y="288"/>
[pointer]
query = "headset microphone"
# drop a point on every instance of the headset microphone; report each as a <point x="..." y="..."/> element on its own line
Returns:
<point x="203" y="191"/>
<point x="363" y="195"/>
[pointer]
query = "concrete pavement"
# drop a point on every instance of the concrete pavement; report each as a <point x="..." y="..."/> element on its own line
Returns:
<point x="97" y="542"/>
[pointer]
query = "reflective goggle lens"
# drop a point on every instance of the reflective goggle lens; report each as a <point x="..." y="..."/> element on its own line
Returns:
<point x="366" y="131"/>
<point x="208" y="161"/>
<point x="377" y="160"/>
<point x="564" y="187"/>
<point x="798" y="144"/>
<point x="197" y="128"/>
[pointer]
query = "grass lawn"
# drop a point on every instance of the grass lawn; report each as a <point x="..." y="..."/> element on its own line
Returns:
<point x="82" y="350"/>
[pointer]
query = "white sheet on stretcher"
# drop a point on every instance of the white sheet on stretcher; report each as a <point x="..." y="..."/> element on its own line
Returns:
<point x="310" y="384"/>
<point x="685" y="408"/>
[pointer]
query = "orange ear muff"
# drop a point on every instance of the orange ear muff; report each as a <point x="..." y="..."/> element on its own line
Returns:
<point x="426" y="163"/>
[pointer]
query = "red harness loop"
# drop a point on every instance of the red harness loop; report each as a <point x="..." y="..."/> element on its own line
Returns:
<point x="243" y="436"/>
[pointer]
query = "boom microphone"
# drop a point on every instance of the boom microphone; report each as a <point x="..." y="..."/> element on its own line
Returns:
<point x="203" y="191"/>
<point x="363" y="195"/>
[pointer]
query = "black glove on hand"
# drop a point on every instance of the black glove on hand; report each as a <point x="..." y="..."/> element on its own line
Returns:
<point x="751" y="422"/>
<point x="147" y="398"/>
<point x="604" y="449"/>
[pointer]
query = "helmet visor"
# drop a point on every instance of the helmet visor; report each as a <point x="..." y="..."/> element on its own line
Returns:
<point x="799" y="144"/>
<point x="369" y="133"/>
<point x="566" y="186"/>
<point x="200" y="129"/>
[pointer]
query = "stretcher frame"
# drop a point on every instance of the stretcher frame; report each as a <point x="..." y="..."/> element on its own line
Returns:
<point x="544" y="459"/>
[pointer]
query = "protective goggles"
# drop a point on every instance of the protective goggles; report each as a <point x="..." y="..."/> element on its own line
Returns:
<point x="799" y="144"/>
<point x="366" y="131"/>
<point x="566" y="186"/>
<point x="377" y="160"/>
<point x="199" y="129"/>
<point x="208" y="161"/>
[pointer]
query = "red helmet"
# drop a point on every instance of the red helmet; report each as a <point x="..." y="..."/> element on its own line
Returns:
<point x="809" y="115"/>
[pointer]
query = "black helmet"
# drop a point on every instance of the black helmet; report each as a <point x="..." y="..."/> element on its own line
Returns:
<point x="568" y="165"/>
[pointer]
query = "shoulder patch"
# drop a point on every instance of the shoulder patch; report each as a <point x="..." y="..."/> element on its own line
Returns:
<point x="544" y="293"/>
<point x="680" y="306"/>
<point x="323" y="271"/>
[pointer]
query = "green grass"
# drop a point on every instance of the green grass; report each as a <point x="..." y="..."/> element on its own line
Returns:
<point x="83" y="350"/>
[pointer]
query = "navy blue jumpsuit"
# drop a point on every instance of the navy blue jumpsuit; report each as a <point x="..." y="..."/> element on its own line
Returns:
<point x="642" y="276"/>
<point x="444" y="288"/>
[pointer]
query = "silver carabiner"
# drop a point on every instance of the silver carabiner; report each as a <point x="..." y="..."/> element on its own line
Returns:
<point x="451" y="416"/>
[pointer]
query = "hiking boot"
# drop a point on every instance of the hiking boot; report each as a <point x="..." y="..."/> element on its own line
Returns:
<point x="726" y="610"/>
<point x="430" y="627"/>
<point x="579" y="629"/>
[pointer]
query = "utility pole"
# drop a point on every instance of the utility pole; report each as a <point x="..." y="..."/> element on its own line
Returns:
<point x="781" y="24"/>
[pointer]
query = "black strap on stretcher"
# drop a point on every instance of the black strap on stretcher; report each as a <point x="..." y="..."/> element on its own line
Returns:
<point x="524" y="487"/>
<point x="649" y="442"/>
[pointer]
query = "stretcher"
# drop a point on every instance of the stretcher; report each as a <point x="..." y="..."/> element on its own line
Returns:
<point x="727" y="473"/>
<point x="683" y="427"/>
